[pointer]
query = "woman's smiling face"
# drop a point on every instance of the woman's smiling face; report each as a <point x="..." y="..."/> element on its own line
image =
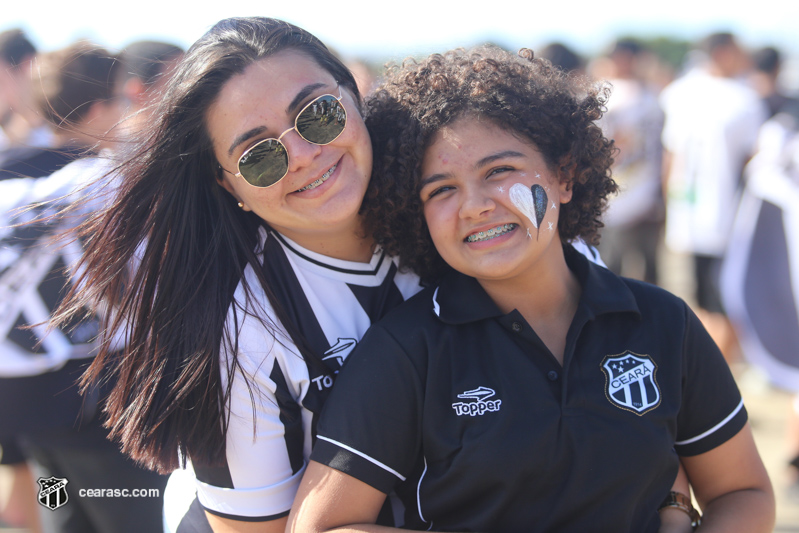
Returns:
<point x="324" y="187"/>
<point x="476" y="223"/>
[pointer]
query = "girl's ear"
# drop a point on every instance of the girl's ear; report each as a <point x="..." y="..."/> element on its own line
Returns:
<point x="565" y="190"/>
<point x="566" y="179"/>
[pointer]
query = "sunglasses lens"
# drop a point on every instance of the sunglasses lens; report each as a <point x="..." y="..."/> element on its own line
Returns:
<point x="265" y="163"/>
<point x="322" y="121"/>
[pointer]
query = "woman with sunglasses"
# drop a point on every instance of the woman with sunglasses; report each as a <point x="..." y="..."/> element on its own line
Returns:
<point x="254" y="274"/>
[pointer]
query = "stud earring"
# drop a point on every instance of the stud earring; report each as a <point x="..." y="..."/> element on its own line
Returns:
<point x="241" y="205"/>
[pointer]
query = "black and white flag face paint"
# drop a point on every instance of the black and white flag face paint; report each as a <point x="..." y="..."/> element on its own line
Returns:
<point x="531" y="202"/>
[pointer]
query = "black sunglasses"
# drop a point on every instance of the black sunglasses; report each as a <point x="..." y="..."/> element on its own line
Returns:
<point x="320" y="122"/>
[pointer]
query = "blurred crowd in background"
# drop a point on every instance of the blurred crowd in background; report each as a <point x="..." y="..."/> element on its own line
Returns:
<point x="707" y="163"/>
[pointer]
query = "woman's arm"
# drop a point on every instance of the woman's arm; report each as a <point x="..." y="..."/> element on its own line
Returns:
<point x="732" y="487"/>
<point x="329" y="500"/>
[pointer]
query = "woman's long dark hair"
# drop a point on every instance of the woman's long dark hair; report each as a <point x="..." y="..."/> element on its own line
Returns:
<point x="167" y="254"/>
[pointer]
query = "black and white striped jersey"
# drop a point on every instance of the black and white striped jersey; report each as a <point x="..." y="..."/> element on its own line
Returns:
<point x="332" y="303"/>
<point x="33" y="269"/>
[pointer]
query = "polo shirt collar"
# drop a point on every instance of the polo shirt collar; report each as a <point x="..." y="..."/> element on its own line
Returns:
<point x="459" y="299"/>
<point x="603" y="291"/>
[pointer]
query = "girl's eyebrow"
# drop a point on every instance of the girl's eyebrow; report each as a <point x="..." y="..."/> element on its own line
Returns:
<point x="431" y="179"/>
<point x="487" y="160"/>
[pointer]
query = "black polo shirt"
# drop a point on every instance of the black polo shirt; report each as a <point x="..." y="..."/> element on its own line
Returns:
<point x="466" y="414"/>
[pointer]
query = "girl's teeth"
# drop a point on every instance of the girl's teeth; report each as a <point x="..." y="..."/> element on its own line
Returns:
<point x="318" y="182"/>
<point x="491" y="233"/>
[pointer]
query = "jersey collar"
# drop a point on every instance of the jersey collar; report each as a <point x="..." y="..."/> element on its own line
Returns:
<point x="378" y="262"/>
<point x="459" y="299"/>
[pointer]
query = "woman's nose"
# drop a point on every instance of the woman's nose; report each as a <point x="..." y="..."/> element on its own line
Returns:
<point x="301" y="152"/>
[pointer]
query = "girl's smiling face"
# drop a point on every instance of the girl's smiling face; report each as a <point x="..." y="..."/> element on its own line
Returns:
<point x="476" y="225"/>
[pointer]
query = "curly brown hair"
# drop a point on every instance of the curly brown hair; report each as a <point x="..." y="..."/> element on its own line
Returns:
<point x="523" y="94"/>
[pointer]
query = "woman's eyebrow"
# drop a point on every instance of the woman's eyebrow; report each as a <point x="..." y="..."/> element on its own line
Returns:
<point x="298" y="99"/>
<point x="302" y="95"/>
<point x="244" y="137"/>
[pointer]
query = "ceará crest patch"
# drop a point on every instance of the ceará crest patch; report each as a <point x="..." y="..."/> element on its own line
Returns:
<point x="630" y="382"/>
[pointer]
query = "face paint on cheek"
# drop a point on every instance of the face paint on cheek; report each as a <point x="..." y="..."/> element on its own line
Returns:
<point x="531" y="202"/>
<point x="540" y="199"/>
<point x="522" y="197"/>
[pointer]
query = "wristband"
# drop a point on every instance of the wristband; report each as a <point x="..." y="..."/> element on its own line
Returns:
<point x="682" y="502"/>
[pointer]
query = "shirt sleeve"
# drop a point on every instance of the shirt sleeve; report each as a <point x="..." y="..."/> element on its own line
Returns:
<point x="712" y="409"/>
<point x="266" y="446"/>
<point x="371" y="424"/>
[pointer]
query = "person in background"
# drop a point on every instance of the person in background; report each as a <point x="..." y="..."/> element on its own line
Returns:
<point x="563" y="57"/>
<point x="760" y="274"/>
<point x="634" y="219"/>
<point x="712" y="119"/>
<point x="20" y="123"/>
<point x="765" y="78"/>
<point x="59" y="431"/>
<point x="25" y="159"/>
<point x="75" y="96"/>
<point x="364" y="75"/>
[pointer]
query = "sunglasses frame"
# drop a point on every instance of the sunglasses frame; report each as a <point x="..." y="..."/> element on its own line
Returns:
<point x="294" y="128"/>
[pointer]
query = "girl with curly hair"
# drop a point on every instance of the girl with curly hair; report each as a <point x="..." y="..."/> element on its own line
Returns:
<point x="526" y="389"/>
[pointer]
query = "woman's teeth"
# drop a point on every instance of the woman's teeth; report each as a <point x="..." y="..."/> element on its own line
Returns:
<point x="318" y="182"/>
<point x="490" y="234"/>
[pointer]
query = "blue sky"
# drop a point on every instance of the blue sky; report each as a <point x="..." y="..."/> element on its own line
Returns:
<point x="393" y="29"/>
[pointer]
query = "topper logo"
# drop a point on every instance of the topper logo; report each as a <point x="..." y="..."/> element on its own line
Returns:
<point x="480" y="405"/>
<point x="339" y="351"/>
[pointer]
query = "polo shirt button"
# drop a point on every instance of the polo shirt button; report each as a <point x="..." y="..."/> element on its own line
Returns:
<point x="552" y="375"/>
<point x="516" y="327"/>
